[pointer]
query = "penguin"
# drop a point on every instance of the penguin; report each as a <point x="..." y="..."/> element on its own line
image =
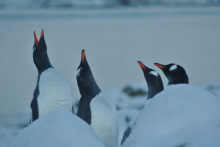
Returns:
<point x="175" y="74"/>
<point x="52" y="90"/>
<point x="155" y="86"/>
<point x="94" y="107"/>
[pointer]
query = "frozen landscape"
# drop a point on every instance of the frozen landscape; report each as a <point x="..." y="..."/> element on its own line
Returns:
<point x="114" y="39"/>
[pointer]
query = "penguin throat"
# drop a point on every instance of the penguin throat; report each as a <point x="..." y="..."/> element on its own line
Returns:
<point x="154" y="89"/>
<point x="181" y="80"/>
<point x="42" y="64"/>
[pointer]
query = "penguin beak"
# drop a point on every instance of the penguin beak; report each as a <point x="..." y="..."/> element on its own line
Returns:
<point x="159" y="65"/>
<point x="42" y="33"/>
<point x="35" y="39"/>
<point x="36" y="42"/>
<point x="142" y="65"/>
<point x="83" y="56"/>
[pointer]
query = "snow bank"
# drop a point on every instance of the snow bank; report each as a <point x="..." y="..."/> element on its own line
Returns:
<point x="172" y="109"/>
<point x="58" y="128"/>
<point x="131" y="96"/>
<point x="125" y="116"/>
<point x="195" y="135"/>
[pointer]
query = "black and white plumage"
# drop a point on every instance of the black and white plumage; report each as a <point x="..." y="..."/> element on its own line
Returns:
<point x="155" y="86"/>
<point x="95" y="108"/>
<point x="176" y="74"/>
<point x="52" y="90"/>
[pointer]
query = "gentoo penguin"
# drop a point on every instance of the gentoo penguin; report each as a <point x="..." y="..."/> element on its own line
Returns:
<point x="52" y="90"/>
<point x="155" y="86"/>
<point x="175" y="74"/>
<point x="94" y="107"/>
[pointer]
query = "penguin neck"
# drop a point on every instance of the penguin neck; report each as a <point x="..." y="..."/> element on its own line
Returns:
<point x="88" y="88"/>
<point x="43" y="64"/>
<point x="184" y="80"/>
<point x="154" y="88"/>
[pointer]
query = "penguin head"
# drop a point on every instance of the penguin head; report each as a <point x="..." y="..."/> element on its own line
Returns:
<point x="86" y="82"/>
<point x="175" y="74"/>
<point x="153" y="79"/>
<point x="40" y="57"/>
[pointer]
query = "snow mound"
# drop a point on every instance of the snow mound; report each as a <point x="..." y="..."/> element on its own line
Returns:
<point x="195" y="135"/>
<point x="58" y="128"/>
<point x="172" y="109"/>
<point x="131" y="96"/>
<point x="125" y="116"/>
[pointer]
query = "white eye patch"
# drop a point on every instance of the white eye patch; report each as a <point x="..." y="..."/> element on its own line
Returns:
<point x="33" y="49"/>
<point x="153" y="73"/>
<point x="78" y="72"/>
<point x="173" y="67"/>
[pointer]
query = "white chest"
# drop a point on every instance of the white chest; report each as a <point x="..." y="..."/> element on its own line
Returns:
<point x="54" y="92"/>
<point x="104" y="120"/>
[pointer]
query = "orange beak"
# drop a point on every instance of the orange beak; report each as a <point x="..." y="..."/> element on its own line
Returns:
<point x="159" y="65"/>
<point x="83" y="55"/>
<point x="42" y="33"/>
<point x="35" y="39"/>
<point x="141" y="65"/>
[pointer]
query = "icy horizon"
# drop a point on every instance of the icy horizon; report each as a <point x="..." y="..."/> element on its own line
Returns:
<point x="68" y="4"/>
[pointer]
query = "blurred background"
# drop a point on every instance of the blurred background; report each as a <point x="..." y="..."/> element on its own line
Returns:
<point x="115" y="34"/>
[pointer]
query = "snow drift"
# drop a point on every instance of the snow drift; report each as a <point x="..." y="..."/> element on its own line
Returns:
<point x="173" y="109"/>
<point x="58" y="128"/>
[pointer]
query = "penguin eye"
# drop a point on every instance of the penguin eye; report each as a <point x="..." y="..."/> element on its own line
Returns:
<point x="78" y="72"/>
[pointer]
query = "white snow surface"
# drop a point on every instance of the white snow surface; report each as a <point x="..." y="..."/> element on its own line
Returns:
<point x="54" y="92"/>
<point x="125" y="116"/>
<point x="105" y="120"/>
<point x="59" y="128"/>
<point x="176" y="107"/>
<point x="194" y="135"/>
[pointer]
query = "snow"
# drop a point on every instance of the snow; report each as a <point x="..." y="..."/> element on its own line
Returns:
<point x="154" y="73"/>
<point x="194" y="135"/>
<point x="125" y="116"/>
<point x="176" y="107"/>
<point x="58" y="128"/>
<point x="173" y="67"/>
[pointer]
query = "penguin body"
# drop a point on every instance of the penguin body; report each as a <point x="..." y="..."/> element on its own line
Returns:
<point x="52" y="90"/>
<point x="155" y="86"/>
<point x="95" y="108"/>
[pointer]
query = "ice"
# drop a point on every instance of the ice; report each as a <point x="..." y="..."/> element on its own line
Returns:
<point x="58" y="128"/>
<point x="176" y="107"/>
